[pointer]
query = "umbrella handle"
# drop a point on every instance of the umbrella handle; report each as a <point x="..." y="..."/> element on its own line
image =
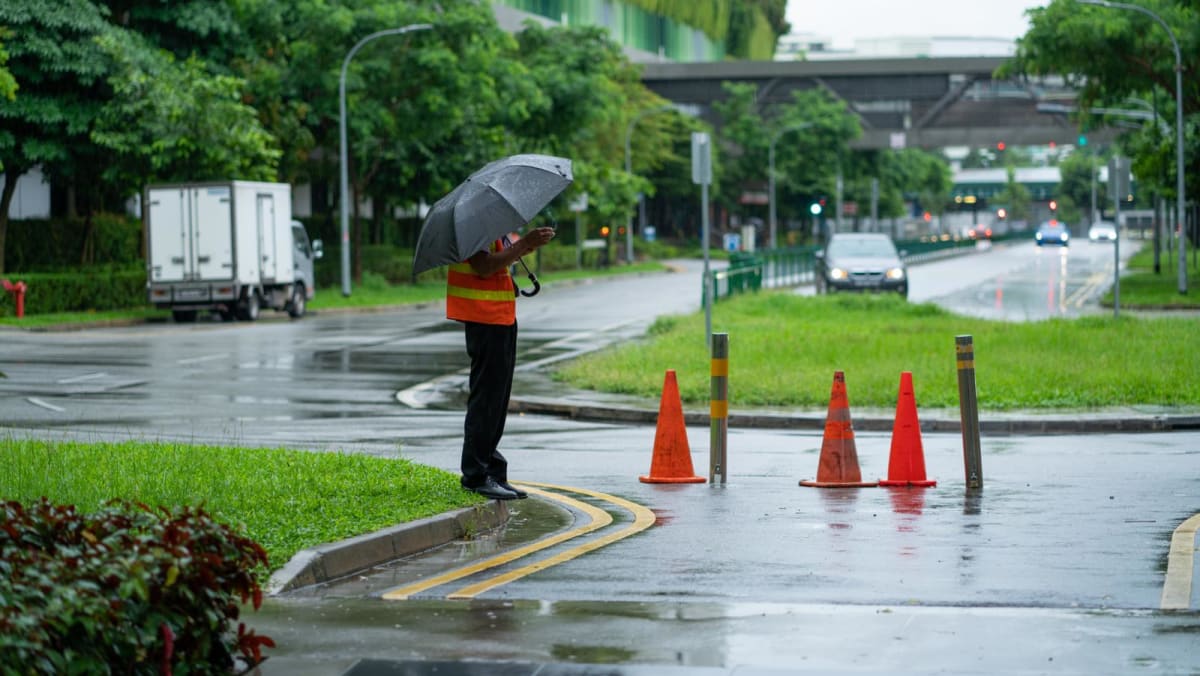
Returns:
<point x="537" y="286"/>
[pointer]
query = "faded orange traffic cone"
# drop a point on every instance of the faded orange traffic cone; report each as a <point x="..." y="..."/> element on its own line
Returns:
<point x="906" y="464"/>
<point x="672" y="460"/>
<point x="838" y="466"/>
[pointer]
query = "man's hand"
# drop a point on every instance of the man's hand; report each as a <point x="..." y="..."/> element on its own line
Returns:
<point x="486" y="263"/>
<point x="536" y="238"/>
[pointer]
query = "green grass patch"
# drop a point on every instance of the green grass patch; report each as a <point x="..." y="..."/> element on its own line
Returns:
<point x="287" y="500"/>
<point x="1141" y="287"/>
<point x="784" y="349"/>
<point x="79" y="318"/>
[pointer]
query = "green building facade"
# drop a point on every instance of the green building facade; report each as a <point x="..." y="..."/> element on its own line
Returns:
<point x="684" y="31"/>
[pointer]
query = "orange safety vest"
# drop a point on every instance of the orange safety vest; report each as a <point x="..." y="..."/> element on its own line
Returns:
<point x="483" y="300"/>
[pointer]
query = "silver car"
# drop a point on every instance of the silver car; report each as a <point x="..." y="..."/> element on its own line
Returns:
<point x="854" y="261"/>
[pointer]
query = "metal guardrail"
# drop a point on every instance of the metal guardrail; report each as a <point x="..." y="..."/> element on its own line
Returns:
<point x="793" y="266"/>
<point x="732" y="281"/>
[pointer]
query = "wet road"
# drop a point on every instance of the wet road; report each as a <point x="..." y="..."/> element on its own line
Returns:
<point x="1063" y="556"/>
<point x="1020" y="281"/>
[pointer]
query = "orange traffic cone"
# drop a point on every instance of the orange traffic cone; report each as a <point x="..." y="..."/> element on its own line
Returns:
<point x="838" y="467"/>
<point x="672" y="461"/>
<point x="906" y="466"/>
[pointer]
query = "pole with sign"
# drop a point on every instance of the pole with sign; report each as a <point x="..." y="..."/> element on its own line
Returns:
<point x="579" y="205"/>
<point x="702" y="174"/>
<point x="1118" y="183"/>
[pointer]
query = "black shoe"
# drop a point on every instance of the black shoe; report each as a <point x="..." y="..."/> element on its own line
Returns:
<point x="490" y="489"/>
<point x="521" y="495"/>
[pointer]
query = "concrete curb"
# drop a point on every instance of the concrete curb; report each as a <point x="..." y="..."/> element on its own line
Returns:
<point x="1084" y="423"/>
<point x="328" y="562"/>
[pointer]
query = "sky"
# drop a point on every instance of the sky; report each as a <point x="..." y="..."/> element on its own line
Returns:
<point x="847" y="20"/>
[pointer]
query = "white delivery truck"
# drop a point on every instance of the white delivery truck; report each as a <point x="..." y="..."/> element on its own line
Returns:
<point x="230" y="247"/>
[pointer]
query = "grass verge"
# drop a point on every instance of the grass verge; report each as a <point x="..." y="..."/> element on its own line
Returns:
<point x="58" y="319"/>
<point x="784" y="349"/>
<point x="1141" y="287"/>
<point x="287" y="500"/>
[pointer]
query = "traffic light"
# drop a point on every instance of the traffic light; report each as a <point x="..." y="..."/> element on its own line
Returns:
<point x="1000" y="146"/>
<point x="815" y="209"/>
<point x="1082" y="140"/>
<point x="1053" y="205"/>
<point x="1001" y="213"/>
<point x="604" y="231"/>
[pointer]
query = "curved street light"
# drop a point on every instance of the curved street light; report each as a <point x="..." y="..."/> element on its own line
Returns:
<point x="629" y="170"/>
<point x="1179" y="182"/>
<point x="345" y="178"/>
<point x="771" y="171"/>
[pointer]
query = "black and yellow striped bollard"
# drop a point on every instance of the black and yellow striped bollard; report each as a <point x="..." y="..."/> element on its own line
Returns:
<point x="968" y="407"/>
<point x="719" y="408"/>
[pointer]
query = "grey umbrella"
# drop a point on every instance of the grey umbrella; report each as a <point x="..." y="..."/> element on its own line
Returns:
<point x="498" y="199"/>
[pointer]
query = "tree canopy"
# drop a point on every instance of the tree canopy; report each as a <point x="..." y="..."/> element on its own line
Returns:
<point x="1119" y="58"/>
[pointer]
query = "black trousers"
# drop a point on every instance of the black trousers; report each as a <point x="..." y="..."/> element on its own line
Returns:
<point x="493" y="352"/>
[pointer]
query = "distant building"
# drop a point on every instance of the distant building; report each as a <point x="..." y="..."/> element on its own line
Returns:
<point x="811" y="46"/>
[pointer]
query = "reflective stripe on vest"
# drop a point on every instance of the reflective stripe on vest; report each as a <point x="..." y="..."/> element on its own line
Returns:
<point x="483" y="300"/>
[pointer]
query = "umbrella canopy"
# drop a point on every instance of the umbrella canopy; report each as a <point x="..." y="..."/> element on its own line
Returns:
<point x="498" y="199"/>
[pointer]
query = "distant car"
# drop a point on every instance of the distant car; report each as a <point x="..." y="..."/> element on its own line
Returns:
<point x="1102" y="231"/>
<point x="979" y="231"/>
<point x="860" y="262"/>
<point x="1052" y="232"/>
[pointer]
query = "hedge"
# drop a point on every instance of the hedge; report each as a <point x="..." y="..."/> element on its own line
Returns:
<point x="98" y="288"/>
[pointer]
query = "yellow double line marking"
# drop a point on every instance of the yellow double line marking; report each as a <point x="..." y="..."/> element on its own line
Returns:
<point x="1177" y="587"/>
<point x="643" y="519"/>
<point x="1089" y="288"/>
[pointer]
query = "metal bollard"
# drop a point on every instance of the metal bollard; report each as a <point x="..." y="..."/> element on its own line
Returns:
<point x="968" y="407"/>
<point x="719" y="408"/>
<point x="18" y="292"/>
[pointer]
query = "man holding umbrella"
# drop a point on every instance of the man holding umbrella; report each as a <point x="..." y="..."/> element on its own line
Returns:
<point x="480" y="294"/>
<point x="469" y="230"/>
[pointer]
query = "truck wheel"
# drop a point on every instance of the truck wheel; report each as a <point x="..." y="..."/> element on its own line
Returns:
<point x="183" y="316"/>
<point x="299" y="302"/>
<point x="249" y="307"/>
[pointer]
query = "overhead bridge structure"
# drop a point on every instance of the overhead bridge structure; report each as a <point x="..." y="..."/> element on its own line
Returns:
<point x="913" y="102"/>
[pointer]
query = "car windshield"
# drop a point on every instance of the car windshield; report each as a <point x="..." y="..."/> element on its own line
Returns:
<point x="861" y="246"/>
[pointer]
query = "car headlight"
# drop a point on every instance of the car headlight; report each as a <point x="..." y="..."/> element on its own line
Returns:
<point x="1066" y="236"/>
<point x="837" y="273"/>
<point x="895" y="273"/>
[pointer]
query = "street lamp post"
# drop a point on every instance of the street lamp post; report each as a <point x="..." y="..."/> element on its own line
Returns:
<point x="343" y="170"/>
<point x="629" y="170"/>
<point x="1179" y="179"/>
<point x="771" y="174"/>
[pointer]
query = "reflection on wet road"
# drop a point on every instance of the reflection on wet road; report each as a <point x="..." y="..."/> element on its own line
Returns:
<point x="1021" y="281"/>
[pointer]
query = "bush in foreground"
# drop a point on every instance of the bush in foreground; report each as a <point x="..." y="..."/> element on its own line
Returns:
<point x="126" y="590"/>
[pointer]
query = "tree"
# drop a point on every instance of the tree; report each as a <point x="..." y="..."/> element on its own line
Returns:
<point x="176" y="122"/>
<point x="1077" y="178"/>
<point x="53" y="54"/>
<point x="8" y="85"/>
<point x="590" y="92"/>
<point x="1016" y="197"/>
<point x="915" y="174"/>
<point x="1111" y="56"/>
<point x="813" y="133"/>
